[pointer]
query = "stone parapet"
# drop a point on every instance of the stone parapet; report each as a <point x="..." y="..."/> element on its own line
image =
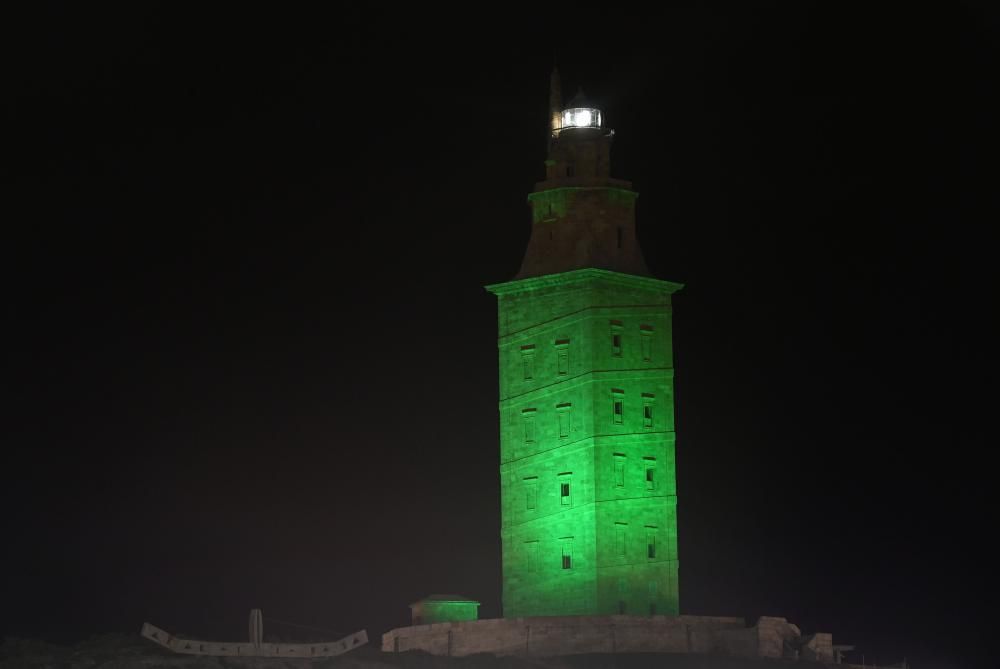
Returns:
<point x="571" y="635"/>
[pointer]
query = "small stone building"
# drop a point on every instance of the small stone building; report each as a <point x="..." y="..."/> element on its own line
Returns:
<point x="444" y="609"/>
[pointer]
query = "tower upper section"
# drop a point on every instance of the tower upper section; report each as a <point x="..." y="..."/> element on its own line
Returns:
<point x="581" y="216"/>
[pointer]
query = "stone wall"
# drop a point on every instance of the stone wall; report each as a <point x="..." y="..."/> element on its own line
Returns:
<point x="571" y="635"/>
<point x="587" y="466"/>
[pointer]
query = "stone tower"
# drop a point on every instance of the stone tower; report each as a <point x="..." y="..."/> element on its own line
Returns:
<point x="588" y="496"/>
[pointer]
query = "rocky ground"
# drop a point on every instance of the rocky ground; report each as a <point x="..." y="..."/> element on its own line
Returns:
<point x="134" y="652"/>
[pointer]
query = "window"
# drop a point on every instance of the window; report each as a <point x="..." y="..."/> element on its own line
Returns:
<point x="571" y="170"/>
<point x="565" y="493"/>
<point x="531" y="554"/>
<point x="562" y="357"/>
<point x="646" y="341"/>
<point x="650" y="466"/>
<point x="651" y="543"/>
<point x="528" y="362"/>
<point x="647" y="410"/>
<point x="617" y="406"/>
<point x="564" y="411"/>
<point x="619" y="470"/>
<point x="616" y="338"/>
<point x="531" y="493"/>
<point x="567" y="552"/>
<point x="528" y="417"/>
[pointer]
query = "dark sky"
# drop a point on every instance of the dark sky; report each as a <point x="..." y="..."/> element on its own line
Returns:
<point x="249" y="359"/>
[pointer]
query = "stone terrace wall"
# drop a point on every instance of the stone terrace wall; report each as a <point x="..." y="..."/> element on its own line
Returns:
<point x="572" y="635"/>
<point x="578" y="634"/>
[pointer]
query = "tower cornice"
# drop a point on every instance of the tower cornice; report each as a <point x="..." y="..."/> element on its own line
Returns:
<point x="582" y="276"/>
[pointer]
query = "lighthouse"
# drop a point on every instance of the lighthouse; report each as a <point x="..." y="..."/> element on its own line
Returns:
<point x="587" y="439"/>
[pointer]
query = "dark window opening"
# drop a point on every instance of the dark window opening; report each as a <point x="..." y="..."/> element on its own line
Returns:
<point x="651" y="549"/>
<point x="619" y="411"/>
<point x="567" y="562"/>
<point x="616" y="344"/>
<point x="571" y="170"/>
<point x="564" y="490"/>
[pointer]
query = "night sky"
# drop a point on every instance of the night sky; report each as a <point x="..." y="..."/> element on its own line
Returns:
<point x="250" y="362"/>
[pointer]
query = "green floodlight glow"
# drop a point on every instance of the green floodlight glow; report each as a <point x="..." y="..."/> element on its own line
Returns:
<point x="588" y="496"/>
<point x="588" y="502"/>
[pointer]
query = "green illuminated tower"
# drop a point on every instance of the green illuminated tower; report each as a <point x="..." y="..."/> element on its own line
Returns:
<point x="588" y="496"/>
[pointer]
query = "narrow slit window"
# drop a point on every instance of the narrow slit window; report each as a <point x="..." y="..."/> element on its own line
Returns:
<point x="647" y="410"/>
<point x="619" y="471"/>
<point x="617" y="407"/>
<point x="567" y="554"/>
<point x="562" y="357"/>
<point x="565" y="414"/>
<point x="651" y="545"/>
<point x="565" y="490"/>
<point x="646" y="341"/>
<point x="531" y="548"/>
<point x="528" y="362"/>
<point x="616" y="338"/>
<point x="531" y="493"/>
<point x="650" y="467"/>
<point x="528" y="418"/>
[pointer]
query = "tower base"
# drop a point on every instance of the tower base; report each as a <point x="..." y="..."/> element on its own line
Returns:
<point x="571" y="635"/>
